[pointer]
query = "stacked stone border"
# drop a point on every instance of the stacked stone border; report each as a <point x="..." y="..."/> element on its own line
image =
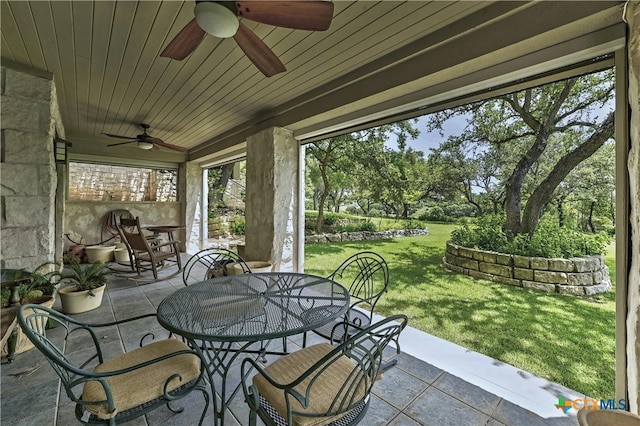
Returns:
<point x="583" y="276"/>
<point x="364" y="235"/>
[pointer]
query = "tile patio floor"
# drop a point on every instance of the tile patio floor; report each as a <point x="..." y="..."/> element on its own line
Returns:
<point x="434" y="383"/>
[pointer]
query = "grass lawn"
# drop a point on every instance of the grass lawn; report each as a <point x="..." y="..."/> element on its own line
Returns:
<point x="565" y="339"/>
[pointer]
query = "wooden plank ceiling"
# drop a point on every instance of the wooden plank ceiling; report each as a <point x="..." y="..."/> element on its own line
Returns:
<point x="104" y="57"/>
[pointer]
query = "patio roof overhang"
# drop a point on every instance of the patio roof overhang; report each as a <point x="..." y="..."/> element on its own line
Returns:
<point x="379" y="61"/>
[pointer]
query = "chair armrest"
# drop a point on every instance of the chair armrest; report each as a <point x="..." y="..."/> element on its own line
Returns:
<point x="96" y="375"/>
<point x="288" y="387"/>
<point x="122" y="321"/>
<point x="169" y="243"/>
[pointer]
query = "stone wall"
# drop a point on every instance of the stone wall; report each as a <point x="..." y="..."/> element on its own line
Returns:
<point x="576" y="276"/>
<point x="28" y="172"/>
<point x="84" y="219"/>
<point x="364" y="235"/>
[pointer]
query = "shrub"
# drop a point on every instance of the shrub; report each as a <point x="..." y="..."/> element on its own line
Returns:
<point x="549" y="240"/>
<point x="414" y="224"/>
<point x="238" y="227"/>
<point x="434" y="214"/>
<point x="368" y="226"/>
<point x="330" y="219"/>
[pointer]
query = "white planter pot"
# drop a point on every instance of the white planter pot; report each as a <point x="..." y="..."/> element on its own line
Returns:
<point x="75" y="302"/>
<point x="121" y="255"/>
<point x="102" y="254"/>
<point x="255" y="266"/>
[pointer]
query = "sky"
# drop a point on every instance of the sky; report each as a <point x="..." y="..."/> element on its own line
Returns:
<point x="429" y="140"/>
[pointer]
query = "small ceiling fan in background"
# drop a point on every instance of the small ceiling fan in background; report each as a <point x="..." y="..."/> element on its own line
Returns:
<point x="221" y="19"/>
<point x="145" y="141"/>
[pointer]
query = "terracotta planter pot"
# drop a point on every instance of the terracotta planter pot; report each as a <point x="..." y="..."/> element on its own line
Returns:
<point x="75" y="302"/>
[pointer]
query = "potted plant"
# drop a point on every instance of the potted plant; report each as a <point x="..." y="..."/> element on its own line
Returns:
<point x="85" y="286"/>
<point x="20" y="287"/>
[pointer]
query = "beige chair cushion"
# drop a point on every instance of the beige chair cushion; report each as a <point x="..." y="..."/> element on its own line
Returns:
<point x="325" y="388"/>
<point x="144" y="384"/>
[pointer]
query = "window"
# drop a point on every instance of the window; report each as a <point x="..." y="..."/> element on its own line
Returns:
<point x="102" y="182"/>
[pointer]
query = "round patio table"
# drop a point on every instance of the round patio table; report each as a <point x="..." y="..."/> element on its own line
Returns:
<point x="224" y="317"/>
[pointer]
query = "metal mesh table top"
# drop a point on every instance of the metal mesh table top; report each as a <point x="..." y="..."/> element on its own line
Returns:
<point x="252" y="307"/>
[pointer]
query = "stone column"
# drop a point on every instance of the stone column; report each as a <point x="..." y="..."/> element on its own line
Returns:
<point x="633" y="294"/>
<point x="191" y="186"/>
<point x="271" y="210"/>
<point x="28" y="172"/>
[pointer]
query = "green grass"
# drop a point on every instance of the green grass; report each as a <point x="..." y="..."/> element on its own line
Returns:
<point x="565" y="339"/>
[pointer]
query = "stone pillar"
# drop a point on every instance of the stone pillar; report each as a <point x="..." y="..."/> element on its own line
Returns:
<point x="633" y="294"/>
<point x="191" y="187"/>
<point x="271" y="212"/>
<point x="28" y="172"/>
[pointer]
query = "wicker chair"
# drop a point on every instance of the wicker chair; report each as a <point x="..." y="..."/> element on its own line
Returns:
<point x="321" y="384"/>
<point x="212" y="262"/>
<point x="367" y="275"/>
<point x="121" y="388"/>
<point x="148" y="254"/>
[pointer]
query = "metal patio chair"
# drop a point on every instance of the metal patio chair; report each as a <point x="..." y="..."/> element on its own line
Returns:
<point x="366" y="275"/>
<point x="321" y="384"/>
<point x="115" y="390"/>
<point x="212" y="262"/>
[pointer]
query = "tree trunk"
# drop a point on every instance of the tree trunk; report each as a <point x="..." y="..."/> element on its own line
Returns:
<point x="592" y="228"/>
<point x="543" y="193"/>
<point x="325" y="191"/>
<point x="560" y="210"/>
<point x="513" y="187"/>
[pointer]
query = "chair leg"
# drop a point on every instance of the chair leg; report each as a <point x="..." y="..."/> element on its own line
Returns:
<point x="154" y="268"/>
<point x="206" y="404"/>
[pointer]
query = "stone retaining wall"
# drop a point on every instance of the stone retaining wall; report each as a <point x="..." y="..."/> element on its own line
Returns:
<point x="364" y="235"/>
<point x="577" y="276"/>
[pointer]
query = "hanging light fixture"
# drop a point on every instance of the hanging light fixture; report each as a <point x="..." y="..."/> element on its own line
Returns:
<point x="216" y="19"/>
<point x="145" y="145"/>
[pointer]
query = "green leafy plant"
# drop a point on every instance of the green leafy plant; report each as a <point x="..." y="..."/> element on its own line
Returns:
<point x="549" y="240"/>
<point x="32" y="285"/>
<point x="87" y="277"/>
<point x="368" y="226"/>
<point x="238" y="227"/>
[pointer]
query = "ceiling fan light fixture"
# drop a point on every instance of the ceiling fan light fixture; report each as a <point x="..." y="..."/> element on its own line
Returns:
<point x="145" y="145"/>
<point x="216" y="19"/>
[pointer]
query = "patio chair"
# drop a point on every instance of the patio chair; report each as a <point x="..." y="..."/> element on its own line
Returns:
<point x="148" y="254"/>
<point x="366" y="275"/>
<point x="321" y="384"/>
<point x="115" y="390"/>
<point x="212" y="262"/>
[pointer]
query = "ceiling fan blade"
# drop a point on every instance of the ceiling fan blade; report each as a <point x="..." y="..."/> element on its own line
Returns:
<point x="123" y="143"/>
<point x="298" y="15"/>
<point x="258" y="52"/>
<point x="160" y="143"/>
<point x="154" y="148"/>
<point x="184" y="42"/>
<point x="117" y="136"/>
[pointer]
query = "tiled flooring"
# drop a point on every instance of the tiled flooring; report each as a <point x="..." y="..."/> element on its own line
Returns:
<point x="434" y="383"/>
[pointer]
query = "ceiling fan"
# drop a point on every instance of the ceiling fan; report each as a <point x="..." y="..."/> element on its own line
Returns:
<point x="221" y="19"/>
<point x="145" y="141"/>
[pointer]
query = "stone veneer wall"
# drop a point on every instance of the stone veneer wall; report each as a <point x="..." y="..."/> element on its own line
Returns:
<point x="364" y="235"/>
<point x="576" y="276"/>
<point x="30" y="118"/>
